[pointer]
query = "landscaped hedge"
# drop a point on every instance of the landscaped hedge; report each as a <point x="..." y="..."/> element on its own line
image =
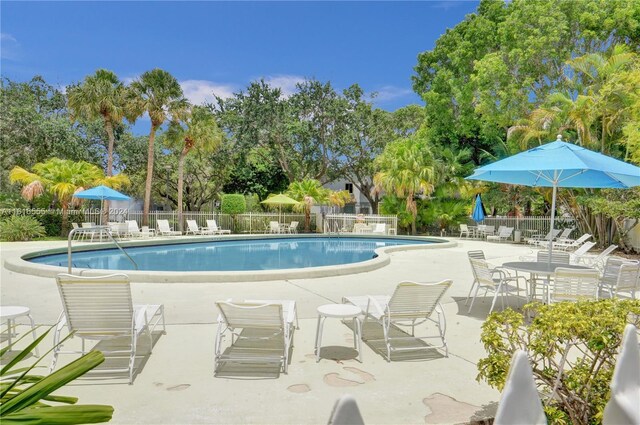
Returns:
<point x="233" y="204"/>
<point x="51" y="220"/>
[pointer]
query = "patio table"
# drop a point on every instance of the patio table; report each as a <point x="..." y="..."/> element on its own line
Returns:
<point x="536" y="268"/>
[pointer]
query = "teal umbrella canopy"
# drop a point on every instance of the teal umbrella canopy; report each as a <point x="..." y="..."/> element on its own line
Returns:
<point x="103" y="193"/>
<point x="560" y="164"/>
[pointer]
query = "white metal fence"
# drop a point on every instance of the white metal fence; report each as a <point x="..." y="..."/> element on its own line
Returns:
<point x="344" y="223"/>
<point x="533" y="224"/>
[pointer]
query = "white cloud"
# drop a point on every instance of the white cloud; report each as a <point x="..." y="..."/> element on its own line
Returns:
<point x="286" y="83"/>
<point x="387" y="93"/>
<point x="9" y="46"/>
<point x="202" y="91"/>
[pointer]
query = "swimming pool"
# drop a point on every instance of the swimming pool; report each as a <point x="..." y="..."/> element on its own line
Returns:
<point x="232" y="255"/>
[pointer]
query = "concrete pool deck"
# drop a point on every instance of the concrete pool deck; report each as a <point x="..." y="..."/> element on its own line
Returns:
<point x="176" y="383"/>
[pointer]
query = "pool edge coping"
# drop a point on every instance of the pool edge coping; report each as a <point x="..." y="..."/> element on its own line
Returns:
<point x="20" y="265"/>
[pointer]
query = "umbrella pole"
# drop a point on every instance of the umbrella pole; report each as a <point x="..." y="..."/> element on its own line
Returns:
<point x="553" y="212"/>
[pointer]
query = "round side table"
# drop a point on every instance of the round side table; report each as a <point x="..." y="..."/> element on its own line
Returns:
<point x="339" y="311"/>
<point x="9" y="313"/>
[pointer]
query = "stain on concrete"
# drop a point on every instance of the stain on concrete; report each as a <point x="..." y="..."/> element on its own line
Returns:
<point x="365" y="376"/>
<point x="447" y="410"/>
<point x="180" y="387"/>
<point x="299" y="388"/>
<point x="158" y="384"/>
<point x="334" y="380"/>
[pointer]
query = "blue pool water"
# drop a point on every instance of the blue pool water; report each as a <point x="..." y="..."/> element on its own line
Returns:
<point x="232" y="255"/>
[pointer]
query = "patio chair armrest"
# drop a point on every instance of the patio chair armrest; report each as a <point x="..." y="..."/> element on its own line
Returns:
<point x="372" y="302"/>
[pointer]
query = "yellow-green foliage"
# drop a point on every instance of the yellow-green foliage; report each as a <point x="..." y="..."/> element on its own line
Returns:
<point x="590" y="332"/>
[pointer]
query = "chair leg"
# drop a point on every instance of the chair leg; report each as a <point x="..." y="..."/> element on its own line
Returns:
<point x="33" y="332"/>
<point x="470" y="290"/>
<point x="473" y="299"/>
<point x="385" y="329"/>
<point x="493" y="303"/>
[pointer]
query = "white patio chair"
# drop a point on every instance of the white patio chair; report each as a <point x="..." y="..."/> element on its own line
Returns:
<point x="489" y="230"/>
<point x="464" y="230"/>
<point x="293" y="227"/>
<point x="165" y="230"/>
<point x="274" y="227"/>
<point x="520" y="402"/>
<point x="503" y="235"/>
<point x="346" y="412"/>
<point x="623" y="407"/>
<point x="568" y="244"/>
<point x="212" y="226"/>
<point x="100" y="309"/>
<point x="556" y="257"/>
<point x="411" y="304"/>
<point x="492" y="279"/>
<point x="259" y="331"/>
<point x="619" y="275"/>
<point x="574" y="285"/>
<point x="379" y="229"/>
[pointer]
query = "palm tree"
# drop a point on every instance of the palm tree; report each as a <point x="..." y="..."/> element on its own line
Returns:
<point x="308" y="192"/>
<point x="63" y="178"/>
<point x="197" y="131"/>
<point x="406" y="169"/>
<point x="101" y="96"/>
<point x="157" y="93"/>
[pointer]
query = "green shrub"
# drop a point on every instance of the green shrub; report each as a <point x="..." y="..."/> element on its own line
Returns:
<point x="233" y="204"/>
<point x="20" y="228"/>
<point x="253" y="203"/>
<point x="589" y="333"/>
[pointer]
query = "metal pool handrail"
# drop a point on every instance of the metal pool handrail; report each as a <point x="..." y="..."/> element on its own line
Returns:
<point x="107" y="230"/>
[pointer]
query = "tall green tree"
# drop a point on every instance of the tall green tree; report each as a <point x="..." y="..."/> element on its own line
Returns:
<point x="407" y="169"/>
<point x="101" y="96"/>
<point x="310" y="192"/>
<point x="158" y="94"/>
<point x="196" y="131"/>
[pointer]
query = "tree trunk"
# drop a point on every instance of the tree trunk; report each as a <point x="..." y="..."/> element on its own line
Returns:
<point x="108" y="126"/>
<point x="147" y="186"/>
<point x="307" y="220"/>
<point x="414" y="231"/>
<point x="183" y="155"/>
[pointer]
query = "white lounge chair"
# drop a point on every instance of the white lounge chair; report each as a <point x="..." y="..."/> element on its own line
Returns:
<point x="580" y="251"/>
<point x="623" y="407"/>
<point x="135" y="231"/>
<point x="598" y="260"/>
<point x="212" y="226"/>
<point x="464" y="230"/>
<point x="574" y="285"/>
<point x="260" y="332"/>
<point x="564" y="235"/>
<point x="346" y="412"/>
<point x="192" y="228"/>
<point x="379" y="229"/>
<point x="503" y="235"/>
<point x="540" y="240"/>
<point x="99" y="309"/>
<point x="411" y="304"/>
<point x="165" y="230"/>
<point x="520" y="402"/>
<point x="569" y="245"/>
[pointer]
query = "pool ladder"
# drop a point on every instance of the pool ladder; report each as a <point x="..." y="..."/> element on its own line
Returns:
<point x="102" y="229"/>
<point x="327" y="229"/>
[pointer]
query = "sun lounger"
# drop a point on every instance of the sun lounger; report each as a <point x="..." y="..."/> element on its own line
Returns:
<point x="101" y="309"/>
<point x="212" y="228"/>
<point x="410" y="304"/>
<point x="165" y="230"/>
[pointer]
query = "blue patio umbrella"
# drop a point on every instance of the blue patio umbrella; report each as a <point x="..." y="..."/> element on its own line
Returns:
<point x="559" y="164"/>
<point x="478" y="210"/>
<point x="103" y="193"/>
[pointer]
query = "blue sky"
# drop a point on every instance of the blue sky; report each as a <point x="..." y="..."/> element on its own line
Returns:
<point x="222" y="46"/>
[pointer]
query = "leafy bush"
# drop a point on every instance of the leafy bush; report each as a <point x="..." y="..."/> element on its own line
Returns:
<point x="233" y="204"/>
<point x="253" y="203"/>
<point x="26" y="399"/>
<point x="580" y="340"/>
<point x="20" y="228"/>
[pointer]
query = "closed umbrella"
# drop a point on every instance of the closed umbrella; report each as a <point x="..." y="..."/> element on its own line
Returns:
<point x="560" y="164"/>
<point x="103" y="193"/>
<point x="478" y="210"/>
